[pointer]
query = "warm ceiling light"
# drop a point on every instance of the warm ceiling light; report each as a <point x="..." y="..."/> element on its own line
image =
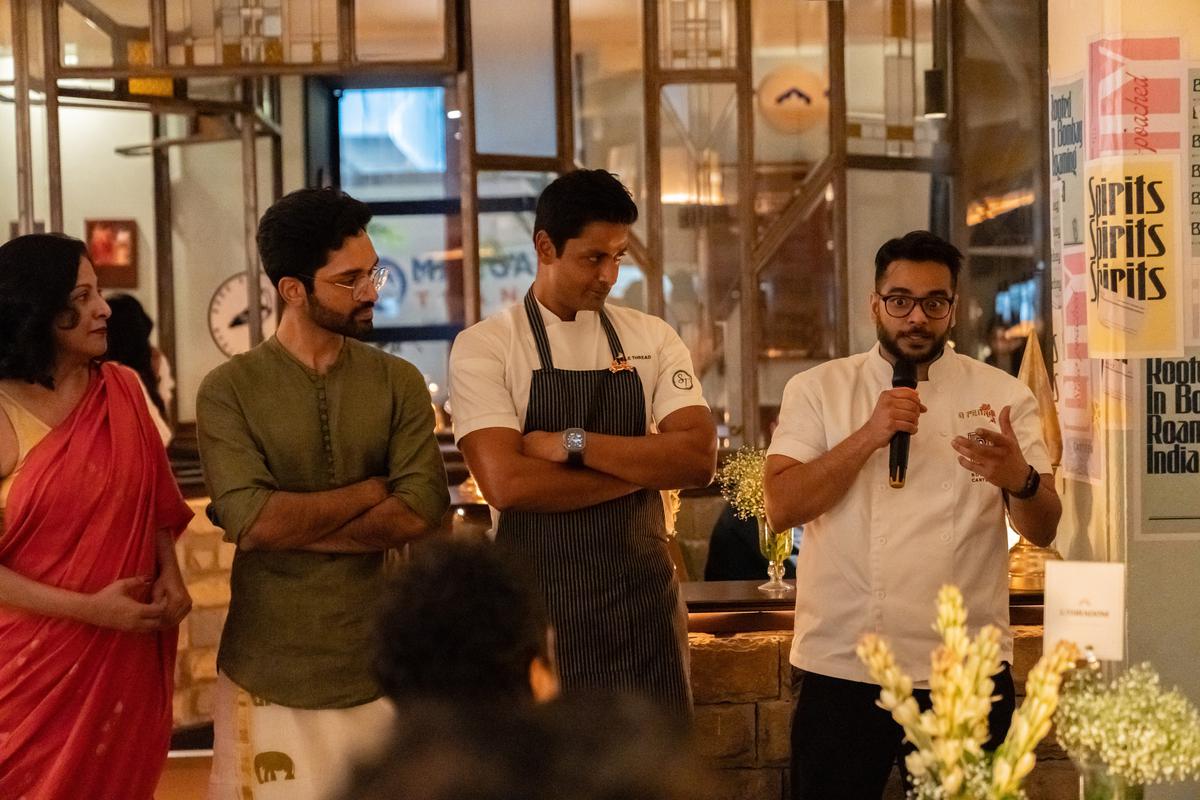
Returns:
<point x="987" y="208"/>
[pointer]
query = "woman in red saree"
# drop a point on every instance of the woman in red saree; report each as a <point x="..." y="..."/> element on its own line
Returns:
<point x="90" y="591"/>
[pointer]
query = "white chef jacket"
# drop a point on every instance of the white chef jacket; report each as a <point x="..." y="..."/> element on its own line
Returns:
<point x="874" y="561"/>
<point x="492" y="364"/>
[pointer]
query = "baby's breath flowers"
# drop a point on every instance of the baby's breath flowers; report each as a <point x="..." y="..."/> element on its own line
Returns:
<point x="949" y="762"/>
<point x="741" y="482"/>
<point x="1139" y="731"/>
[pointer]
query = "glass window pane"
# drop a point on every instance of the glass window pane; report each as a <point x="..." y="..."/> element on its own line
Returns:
<point x="791" y="118"/>
<point x="513" y="51"/>
<point x="431" y="358"/>
<point x="507" y="261"/>
<point x="84" y="42"/>
<point x="630" y="289"/>
<point x="385" y="30"/>
<point x="6" y="67"/>
<point x="392" y="143"/>
<point x="701" y="241"/>
<point x="232" y="32"/>
<point x="798" y="298"/>
<point x="424" y="263"/>
<point x="697" y="34"/>
<point x="606" y="40"/>
<point x="889" y="47"/>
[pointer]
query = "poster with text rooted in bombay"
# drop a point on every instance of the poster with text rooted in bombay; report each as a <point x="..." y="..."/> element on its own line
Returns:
<point x="1166" y="449"/>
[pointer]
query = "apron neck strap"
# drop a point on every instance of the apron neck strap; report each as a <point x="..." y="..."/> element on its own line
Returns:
<point x="542" y="339"/>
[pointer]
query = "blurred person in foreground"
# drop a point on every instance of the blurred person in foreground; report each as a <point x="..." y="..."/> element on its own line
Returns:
<point x="585" y="746"/>
<point x="91" y="594"/>
<point x="465" y="623"/>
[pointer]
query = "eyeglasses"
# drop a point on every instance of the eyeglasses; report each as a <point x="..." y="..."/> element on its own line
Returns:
<point x="901" y="305"/>
<point x="361" y="287"/>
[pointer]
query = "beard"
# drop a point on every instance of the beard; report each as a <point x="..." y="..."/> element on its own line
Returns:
<point x="344" y="324"/>
<point x="923" y="350"/>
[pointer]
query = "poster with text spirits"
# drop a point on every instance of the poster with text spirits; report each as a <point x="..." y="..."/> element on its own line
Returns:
<point x="1135" y="260"/>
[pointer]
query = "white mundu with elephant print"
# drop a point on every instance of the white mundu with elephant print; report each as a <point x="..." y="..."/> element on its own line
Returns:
<point x="265" y="751"/>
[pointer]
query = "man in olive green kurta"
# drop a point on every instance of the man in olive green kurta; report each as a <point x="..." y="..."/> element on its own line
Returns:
<point x="319" y="455"/>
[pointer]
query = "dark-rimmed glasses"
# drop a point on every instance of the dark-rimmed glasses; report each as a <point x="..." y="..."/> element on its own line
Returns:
<point x="901" y="305"/>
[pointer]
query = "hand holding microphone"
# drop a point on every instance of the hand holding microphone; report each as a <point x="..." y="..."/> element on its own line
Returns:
<point x="895" y="419"/>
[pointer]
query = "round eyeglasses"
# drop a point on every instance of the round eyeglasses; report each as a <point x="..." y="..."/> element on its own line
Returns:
<point x="901" y="305"/>
<point x="361" y="287"/>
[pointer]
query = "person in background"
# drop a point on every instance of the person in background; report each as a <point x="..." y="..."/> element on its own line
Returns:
<point x="572" y="414"/>
<point x="734" y="554"/>
<point x="90" y="592"/>
<point x="874" y="557"/>
<point x="129" y="328"/>
<point x="319" y="455"/>
<point x="464" y="623"/>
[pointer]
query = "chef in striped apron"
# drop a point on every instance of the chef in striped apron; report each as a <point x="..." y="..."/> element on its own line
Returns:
<point x="572" y="414"/>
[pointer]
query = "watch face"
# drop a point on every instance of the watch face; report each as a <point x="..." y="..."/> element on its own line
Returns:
<point x="229" y="313"/>
<point x="574" y="440"/>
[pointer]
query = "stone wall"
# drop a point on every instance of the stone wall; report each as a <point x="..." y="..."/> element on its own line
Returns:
<point x="743" y="710"/>
<point x="743" y="700"/>
<point x="205" y="560"/>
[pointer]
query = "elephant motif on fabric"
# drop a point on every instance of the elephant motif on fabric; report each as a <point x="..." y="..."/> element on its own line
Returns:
<point x="269" y="764"/>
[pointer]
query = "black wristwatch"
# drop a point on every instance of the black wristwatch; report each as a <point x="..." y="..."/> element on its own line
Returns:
<point x="574" y="440"/>
<point x="1032" y="481"/>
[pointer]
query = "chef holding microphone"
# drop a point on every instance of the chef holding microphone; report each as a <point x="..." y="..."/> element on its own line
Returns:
<point x="901" y="463"/>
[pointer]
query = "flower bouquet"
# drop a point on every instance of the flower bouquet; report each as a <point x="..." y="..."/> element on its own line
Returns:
<point x="741" y="482"/>
<point x="1127" y="733"/>
<point x="949" y="762"/>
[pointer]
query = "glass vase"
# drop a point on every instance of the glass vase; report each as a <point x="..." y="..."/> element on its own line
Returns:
<point x="1097" y="783"/>
<point x="775" y="548"/>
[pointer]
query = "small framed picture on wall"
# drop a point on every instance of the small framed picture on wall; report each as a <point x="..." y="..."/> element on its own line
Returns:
<point x="112" y="246"/>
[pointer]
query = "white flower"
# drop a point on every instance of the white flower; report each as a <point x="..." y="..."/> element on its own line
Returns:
<point x="1140" y="732"/>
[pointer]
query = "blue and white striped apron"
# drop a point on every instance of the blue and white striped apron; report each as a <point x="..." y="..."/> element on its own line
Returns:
<point x="605" y="571"/>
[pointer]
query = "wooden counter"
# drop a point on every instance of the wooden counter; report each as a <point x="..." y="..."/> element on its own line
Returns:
<point x="735" y="606"/>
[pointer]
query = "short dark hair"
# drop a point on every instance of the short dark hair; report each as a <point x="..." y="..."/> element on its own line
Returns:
<point x="38" y="272"/>
<point x="580" y="197"/>
<point x="918" y="246"/>
<point x="461" y="619"/>
<point x="589" y="746"/>
<point x="299" y="231"/>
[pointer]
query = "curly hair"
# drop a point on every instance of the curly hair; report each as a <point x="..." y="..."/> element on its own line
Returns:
<point x="297" y="233"/>
<point x="578" y="198"/>
<point x="37" y="275"/>
<point x="460" y="620"/>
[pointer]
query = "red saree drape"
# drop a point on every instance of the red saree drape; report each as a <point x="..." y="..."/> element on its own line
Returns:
<point x="85" y="712"/>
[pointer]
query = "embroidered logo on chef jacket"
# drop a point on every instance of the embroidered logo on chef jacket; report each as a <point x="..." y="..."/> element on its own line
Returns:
<point x="985" y="411"/>
<point x="681" y="379"/>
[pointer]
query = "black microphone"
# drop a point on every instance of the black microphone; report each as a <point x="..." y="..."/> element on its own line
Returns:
<point x="904" y="374"/>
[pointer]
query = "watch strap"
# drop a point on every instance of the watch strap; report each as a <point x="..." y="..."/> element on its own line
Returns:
<point x="1032" y="481"/>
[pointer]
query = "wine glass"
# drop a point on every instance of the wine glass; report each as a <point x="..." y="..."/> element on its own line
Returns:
<point x="775" y="548"/>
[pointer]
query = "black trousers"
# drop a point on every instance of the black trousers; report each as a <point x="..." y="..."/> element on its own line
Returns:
<point x="844" y="746"/>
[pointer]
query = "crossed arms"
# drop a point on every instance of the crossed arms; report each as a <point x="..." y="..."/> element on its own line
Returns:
<point x="529" y="473"/>
<point x="370" y="515"/>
